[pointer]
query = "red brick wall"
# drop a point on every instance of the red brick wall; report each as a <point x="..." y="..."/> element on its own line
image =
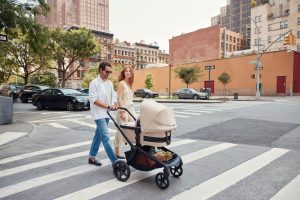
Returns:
<point x="200" y="45"/>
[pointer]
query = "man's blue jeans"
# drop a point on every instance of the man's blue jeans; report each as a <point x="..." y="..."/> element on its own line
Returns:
<point x="101" y="135"/>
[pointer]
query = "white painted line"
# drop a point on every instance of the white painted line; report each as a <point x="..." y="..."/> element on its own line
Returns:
<point x="89" y="124"/>
<point x="198" y="111"/>
<point x="113" y="184"/>
<point x="57" y="125"/>
<point x="215" y="185"/>
<point x="36" y="153"/>
<point x="190" y="113"/>
<point x="32" y="183"/>
<point x="9" y="136"/>
<point x="290" y="191"/>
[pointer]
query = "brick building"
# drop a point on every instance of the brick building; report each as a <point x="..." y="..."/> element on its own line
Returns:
<point x="92" y="14"/>
<point x="280" y="75"/>
<point x="204" y="44"/>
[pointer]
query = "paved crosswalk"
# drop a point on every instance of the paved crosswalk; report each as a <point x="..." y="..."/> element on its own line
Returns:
<point x="209" y="169"/>
<point x="65" y="120"/>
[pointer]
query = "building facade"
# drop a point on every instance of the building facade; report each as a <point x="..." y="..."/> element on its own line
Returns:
<point x="92" y="14"/>
<point x="235" y="16"/>
<point x="204" y="44"/>
<point x="146" y="54"/>
<point x="124" y="53"/>
<point x="272" y="21"/>
<point x="280" y="75"/>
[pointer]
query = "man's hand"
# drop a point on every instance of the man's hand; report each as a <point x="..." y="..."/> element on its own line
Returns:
<point x="113" y="107"/>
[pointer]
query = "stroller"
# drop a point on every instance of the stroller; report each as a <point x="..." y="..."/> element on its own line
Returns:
<point x="152" y="129"/>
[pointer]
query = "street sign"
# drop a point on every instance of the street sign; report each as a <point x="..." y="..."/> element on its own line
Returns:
<point x="3" y="38"/>
<point x="209" y="67"/>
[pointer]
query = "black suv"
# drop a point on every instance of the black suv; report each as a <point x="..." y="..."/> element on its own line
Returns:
<point x="28" y="90"/>
<point x="9" y="90"/>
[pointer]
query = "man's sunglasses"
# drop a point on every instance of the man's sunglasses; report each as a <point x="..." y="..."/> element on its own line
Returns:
<point x="108" y="72"/>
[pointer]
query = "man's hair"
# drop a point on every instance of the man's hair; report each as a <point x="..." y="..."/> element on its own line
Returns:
<point x="102" y="65"/>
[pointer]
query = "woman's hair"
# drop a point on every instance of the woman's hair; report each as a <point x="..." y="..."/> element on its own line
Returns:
<point x="122" y="75"/>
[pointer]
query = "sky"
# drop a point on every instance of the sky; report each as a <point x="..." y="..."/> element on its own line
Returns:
<point x="159" y="20"/>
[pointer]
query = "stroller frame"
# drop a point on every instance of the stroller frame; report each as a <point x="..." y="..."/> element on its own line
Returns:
<point x="121" y="168"/>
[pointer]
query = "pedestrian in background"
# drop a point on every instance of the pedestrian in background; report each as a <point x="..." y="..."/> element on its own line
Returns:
<point x="125" y="99"/>
<point x="102" y="97"/>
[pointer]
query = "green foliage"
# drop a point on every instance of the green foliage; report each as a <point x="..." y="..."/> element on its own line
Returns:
<point x="149" y="81"/>
<point x="89" y="75"/>
<point x="188" y="75"/>
<point x="75" y="45"/>
<point x="14" y="14"/>
<point x="46" y="78"/>
<point x="25" y="53"/>
<point x="115" y="75"/>
<point x="224" y="78"/>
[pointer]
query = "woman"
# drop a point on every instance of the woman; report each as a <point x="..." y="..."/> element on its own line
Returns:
<point x="125" y="99"/>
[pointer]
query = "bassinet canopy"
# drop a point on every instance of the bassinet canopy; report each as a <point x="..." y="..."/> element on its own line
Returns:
<point x="156" y="117"/>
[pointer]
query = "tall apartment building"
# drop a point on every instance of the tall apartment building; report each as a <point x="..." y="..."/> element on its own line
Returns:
<point x="235" y="16"/>
<point x="204" y="44"/>
<point x="92" y="14"/>
<point x="272" y="20"/>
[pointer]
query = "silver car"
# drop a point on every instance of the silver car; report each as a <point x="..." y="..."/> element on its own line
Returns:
<point x="188" y="93"/>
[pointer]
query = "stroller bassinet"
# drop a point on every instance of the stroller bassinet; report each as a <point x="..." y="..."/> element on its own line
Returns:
<point x="152" y="129"/>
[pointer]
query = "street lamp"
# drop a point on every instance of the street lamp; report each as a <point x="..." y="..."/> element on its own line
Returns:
<point x="257" y="61"/>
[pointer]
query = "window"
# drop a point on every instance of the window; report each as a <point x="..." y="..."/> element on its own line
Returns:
<point x="283" y="24"/>
<point x="298" y="8"/>
<point x="269" y="27"/>
<point x="269" y="39"/>
<point x="298" y="34"/>
<point x="298" y="20"/>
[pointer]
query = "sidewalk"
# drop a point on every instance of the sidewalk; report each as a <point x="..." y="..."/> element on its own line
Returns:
<point x="14" y="131"/>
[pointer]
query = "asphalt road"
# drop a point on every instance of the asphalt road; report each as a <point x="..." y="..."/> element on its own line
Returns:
<point x="232" y="150"/>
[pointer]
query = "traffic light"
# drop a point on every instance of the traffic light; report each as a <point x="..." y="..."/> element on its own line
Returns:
<point x="287" y="40"/>
<point x="290" y="39"/>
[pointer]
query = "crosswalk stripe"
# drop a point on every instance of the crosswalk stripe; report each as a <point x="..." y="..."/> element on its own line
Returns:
<point x="290" y="191"/>
<point x="113" y="184"/>
<point x="88" y="124"/>
<point x="19" y="187"/>
<point x="10" y="136"/>
<point x="214" y="185"/>
<point x="57" y="125"/>
<point x="36" y="153"/>
<point x="190" y="113"/>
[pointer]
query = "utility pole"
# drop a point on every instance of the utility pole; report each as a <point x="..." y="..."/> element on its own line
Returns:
<point x="257" y="94"/>
<point x="170" y="66"/>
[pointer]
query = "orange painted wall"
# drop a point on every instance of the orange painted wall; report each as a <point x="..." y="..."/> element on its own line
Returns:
<point x="275" y="64"/>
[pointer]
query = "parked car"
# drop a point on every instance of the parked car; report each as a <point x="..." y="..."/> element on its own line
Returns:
<point x="145" y="93"/>
<point x="69" y="99"/>
<point x="189" y="93"/>
<point x="206" y="90"/>
<point x="9" y="90"/>
<point x="85" y="91"/>
<point x="28" y="90"/>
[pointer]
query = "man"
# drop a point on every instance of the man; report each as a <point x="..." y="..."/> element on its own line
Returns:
<point x="102" y="97"/>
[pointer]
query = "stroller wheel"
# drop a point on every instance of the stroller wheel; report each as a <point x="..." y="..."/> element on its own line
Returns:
<point x="121" y="170"/>
<point x="162" y="181"/>
<point x="176" y="171"/>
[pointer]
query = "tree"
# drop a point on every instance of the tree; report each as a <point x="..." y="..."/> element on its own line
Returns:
<point x="46" y="78"/>
<point x="224" y="78"/>
<point x="115" y="75"/>
<point x="25" y="53"/>
<point x="89" y="75"/>
<point x="14" y="14"/>
<point x="188" y="75"/>
<point x="70" y="47"/>
<point x="149" y="81"/>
